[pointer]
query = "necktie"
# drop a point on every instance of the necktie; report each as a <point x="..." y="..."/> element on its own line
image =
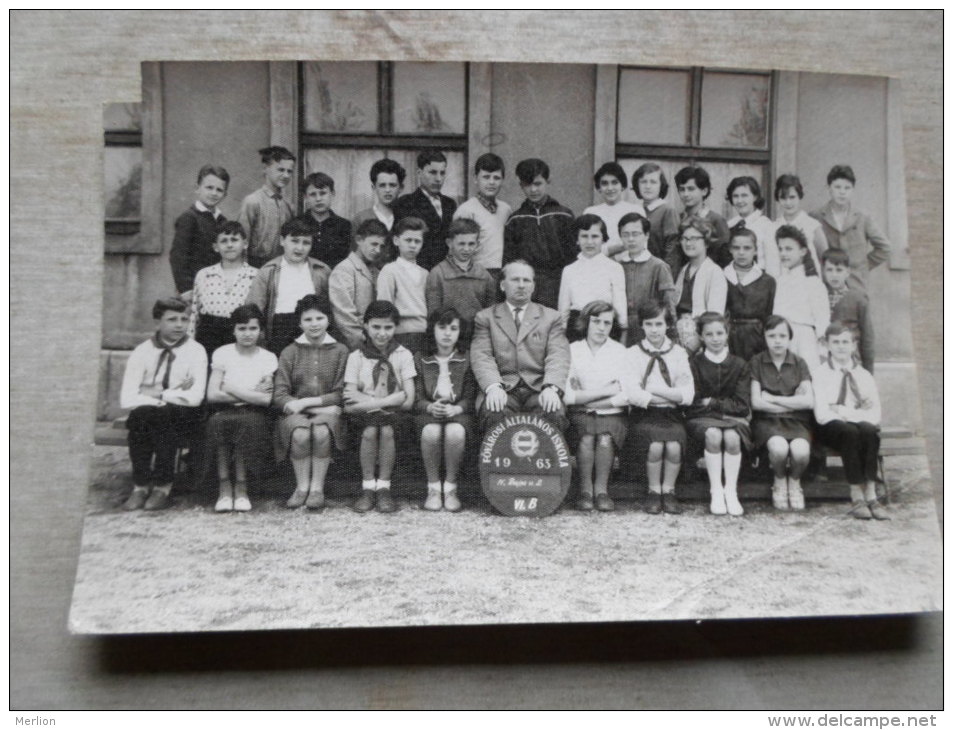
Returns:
<point x="656" y="358"/>
<point x="516" y="317"/>
<point x="848" y="382"/>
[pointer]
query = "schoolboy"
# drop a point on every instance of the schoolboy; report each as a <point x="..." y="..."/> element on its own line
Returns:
<point x="330" y="233"/>
<point x="353" y="284"/>
<point x="281" y="282"/>
<point x="490" y="212"/>
<point x="403" y="283"/>
<point x="540" y="232"/>
<point x="196" y="230"/>
<point x="387" y="180"/>
<point x="458" y="281"/>
<point x="430" y="205"/>
<point x="849" y="305"/>
<point x="265" y="211"/>
<point x="611" y="182"/>
<point x="163" y="385"/>
<point x="849" y="229"/>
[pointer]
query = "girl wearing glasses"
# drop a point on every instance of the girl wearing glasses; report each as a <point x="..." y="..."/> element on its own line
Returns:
<point x="701" y="285"/>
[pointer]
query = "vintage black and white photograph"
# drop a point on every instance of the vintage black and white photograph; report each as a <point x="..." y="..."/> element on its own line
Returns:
<point x="400" y="343"/>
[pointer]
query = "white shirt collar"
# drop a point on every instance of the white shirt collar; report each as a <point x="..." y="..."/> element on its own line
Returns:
<point x="512" y="307"/>
<point x="642" y="257"/>
<point x="401" y="261"/>
<point x="797" y="271"/>
<point x="286" y="264"/>
<point x="666" y="343"/>
<point x="731" y="274"/>
<point x="303" y="339"/>
<point x="653" y="205"/>
<point x="720" y="358"/>
<point x="202" y="208"/>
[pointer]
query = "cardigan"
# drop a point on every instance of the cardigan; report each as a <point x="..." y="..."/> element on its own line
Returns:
<point x="308" y="371"/>
<point x="352" y="287"/>
<point x="264" y="289"/>
<point x="461" y="379"/>
<point x="710" y="289"/>
<point x="866" y="246"/>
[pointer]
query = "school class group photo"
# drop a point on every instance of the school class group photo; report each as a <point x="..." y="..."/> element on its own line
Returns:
<point x="634" y="326"/>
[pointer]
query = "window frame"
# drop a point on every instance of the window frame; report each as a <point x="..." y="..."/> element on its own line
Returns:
<point x="694" y="151"/>
<point x="130" y="138"/>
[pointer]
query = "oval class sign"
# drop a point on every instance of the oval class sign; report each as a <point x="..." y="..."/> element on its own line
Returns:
<point x="524" y="466"/>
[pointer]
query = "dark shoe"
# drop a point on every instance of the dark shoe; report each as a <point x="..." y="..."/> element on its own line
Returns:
<point x="159" y="499"/>
<point x="296" y="499"/>
<point x="385" y="502"/>
<point x="137" y="499"/>
<point x="860" y="511"/>
<point x="584" y="502"/>
<point x="604" y="503"/>
<point x="364" y="503"/>
<point x="315" y="500"/>
<point x="670" y="504"/>
<point x="653" y="503"/>
<point x="877" y="510"/>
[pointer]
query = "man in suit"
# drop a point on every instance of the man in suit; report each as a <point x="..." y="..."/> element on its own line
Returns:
<point x="519" y="354"/>
<point x="428" y="204"/>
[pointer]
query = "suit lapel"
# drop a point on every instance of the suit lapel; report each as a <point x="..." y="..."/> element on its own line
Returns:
<point x="530" y="320"/>
<point x="505" y="320"/>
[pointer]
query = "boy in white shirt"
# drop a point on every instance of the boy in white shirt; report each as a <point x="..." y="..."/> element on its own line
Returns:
<point x="488" y="211"/>
<point x="163" y="385"/>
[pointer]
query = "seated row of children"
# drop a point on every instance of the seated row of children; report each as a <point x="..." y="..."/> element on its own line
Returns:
<point x="321" y="389"/>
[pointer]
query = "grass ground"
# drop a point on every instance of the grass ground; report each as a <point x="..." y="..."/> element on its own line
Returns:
<point x="189" y="569"/>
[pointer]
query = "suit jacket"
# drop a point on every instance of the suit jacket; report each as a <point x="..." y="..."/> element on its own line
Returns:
<point x="418" y="205"/>
<point x="538" y="355"/>
<point x="865" y="244"/>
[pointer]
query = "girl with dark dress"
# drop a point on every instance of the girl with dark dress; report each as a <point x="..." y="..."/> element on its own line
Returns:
<point x="750" y="296"/>
<point x="782" y="399"/>
<point x="719" y="415"/>
<point x="444" y="405"/>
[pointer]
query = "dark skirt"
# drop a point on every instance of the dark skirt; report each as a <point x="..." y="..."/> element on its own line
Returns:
<point x="746" y="338"/>
<point x="329" y="416"/>
<point x="464" y="419"/>
<point x="652" y="425"/>
<point x="789" y="427"/>
<point x="696" y="427"/>
<point x="246" y="428"/>
<point x="587" y="423"/>
<point x="360" y="421"/>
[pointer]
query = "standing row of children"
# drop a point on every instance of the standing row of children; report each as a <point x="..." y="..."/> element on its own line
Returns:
<point x="541" y="231"/>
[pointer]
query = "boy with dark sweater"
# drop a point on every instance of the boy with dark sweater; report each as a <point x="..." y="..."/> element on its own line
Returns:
<point x="849" y="306"/>
<point x="540" y="232"/>
<point x="458" y="281"/>
<point x="330" y="233"/>
<point x="197" y="229"/>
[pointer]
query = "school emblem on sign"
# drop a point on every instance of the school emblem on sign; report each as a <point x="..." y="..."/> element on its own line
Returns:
<point x="525" y="467"/>
<point x="524" y="443"/>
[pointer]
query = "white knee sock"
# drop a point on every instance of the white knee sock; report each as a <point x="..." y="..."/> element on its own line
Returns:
<point x="713" y="465"/>
<point x="732" y="467"/>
